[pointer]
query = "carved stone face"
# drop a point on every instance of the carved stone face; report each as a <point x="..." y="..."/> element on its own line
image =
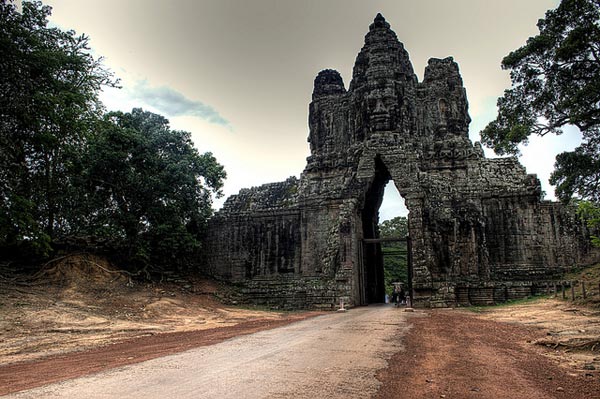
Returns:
<point x="381" y="108"/>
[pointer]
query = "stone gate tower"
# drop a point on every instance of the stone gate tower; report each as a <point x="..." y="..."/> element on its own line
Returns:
<point x="478" y="228"/>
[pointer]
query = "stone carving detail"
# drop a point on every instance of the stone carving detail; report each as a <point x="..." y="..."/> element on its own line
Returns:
<point x="478" y="228"/>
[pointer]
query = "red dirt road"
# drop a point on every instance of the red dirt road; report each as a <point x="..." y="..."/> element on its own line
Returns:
<point x="446" y="354"/>
<point x="454" y="354"/>
<point x="20" y="376"/>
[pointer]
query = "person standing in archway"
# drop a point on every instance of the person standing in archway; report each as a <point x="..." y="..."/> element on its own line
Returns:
<point x="402" y="296"/>
<point x="395" y="294"/>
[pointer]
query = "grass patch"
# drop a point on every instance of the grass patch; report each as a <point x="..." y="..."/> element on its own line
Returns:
<point x="512" y="302"/>
<point x="591" y="277"/>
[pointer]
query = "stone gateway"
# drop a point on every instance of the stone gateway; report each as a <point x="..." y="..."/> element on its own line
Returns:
<point x="479" y="231"/>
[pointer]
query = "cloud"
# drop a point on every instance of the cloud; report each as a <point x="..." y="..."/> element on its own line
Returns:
<point x="173" y="103"/>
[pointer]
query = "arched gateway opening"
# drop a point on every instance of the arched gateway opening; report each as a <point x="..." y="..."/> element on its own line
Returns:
<point x="479" y="230"/>
<point x="380" y="254"/>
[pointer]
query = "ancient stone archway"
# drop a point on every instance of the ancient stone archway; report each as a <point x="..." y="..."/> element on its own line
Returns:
<point x="372" y="284"/>
<point x="479" y="229"/>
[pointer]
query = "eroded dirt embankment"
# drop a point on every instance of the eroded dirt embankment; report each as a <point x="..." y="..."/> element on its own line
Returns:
<point x="83" y="302"/>
<point x="80" y="315"/>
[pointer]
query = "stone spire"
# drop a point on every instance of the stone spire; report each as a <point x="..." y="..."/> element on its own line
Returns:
<point x="382" y="57"/>
<point x="379" y="22"/>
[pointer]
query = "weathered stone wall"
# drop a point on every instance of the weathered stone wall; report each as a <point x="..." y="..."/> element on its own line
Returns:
<point x="479" y="230"/>
<point x="257" y="233"/>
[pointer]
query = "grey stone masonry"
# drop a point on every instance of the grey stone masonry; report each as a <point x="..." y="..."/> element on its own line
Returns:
<point x="479" y="231"/>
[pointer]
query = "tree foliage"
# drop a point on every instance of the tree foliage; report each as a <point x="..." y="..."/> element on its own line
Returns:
<point x="394" y="228"/>
<point x="69" y="170"/>
<point x="556" y="82"/>
<point x="577" y="173"/>
<point x="395" y="254"/>
<point x="590" y="214"/>
<point x="48" y="100"/>
<point x="145" y="187"/>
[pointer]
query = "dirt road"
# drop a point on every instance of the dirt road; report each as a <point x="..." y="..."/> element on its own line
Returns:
<point x="336" y="355"/>
<point x="377" y="351"/>
<point x="457" y="354"/>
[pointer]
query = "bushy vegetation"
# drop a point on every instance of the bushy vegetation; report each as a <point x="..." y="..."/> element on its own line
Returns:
<point x="590" y="214"/>
<point x="70" y="170"/>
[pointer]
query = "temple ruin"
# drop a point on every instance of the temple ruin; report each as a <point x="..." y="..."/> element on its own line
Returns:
<point x="479" y="229"/>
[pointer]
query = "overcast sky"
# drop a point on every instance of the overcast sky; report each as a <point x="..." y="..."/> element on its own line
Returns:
<point x="239" y="74"/>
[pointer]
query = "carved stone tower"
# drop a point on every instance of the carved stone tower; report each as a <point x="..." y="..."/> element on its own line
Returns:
<point x="478" y="228"/>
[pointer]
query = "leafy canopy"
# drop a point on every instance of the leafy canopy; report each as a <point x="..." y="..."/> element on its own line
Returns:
<point x="591" y="215"/>
<point x="49" y="85"/>
<point x="68" y="170"/>
<point x="555" y="79"/>
<point x="556" y="82"/>
<point x="145" y="187"/>
<point x="394" y="228"/>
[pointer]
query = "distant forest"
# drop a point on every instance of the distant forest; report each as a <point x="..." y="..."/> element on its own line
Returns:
<point x="74" y="176"/>
<point x="395" y="254"/>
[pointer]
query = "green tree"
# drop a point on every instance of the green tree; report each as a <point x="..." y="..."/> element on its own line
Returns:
<point x="146" y="189"/>
<point x="49" y="87"/>
<point x="577" y="173"/>
<point x="394" y="228"/>
<point x="590" y="213"/>
<point x="556" y="82"/>
<point x="395" y="255"/>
